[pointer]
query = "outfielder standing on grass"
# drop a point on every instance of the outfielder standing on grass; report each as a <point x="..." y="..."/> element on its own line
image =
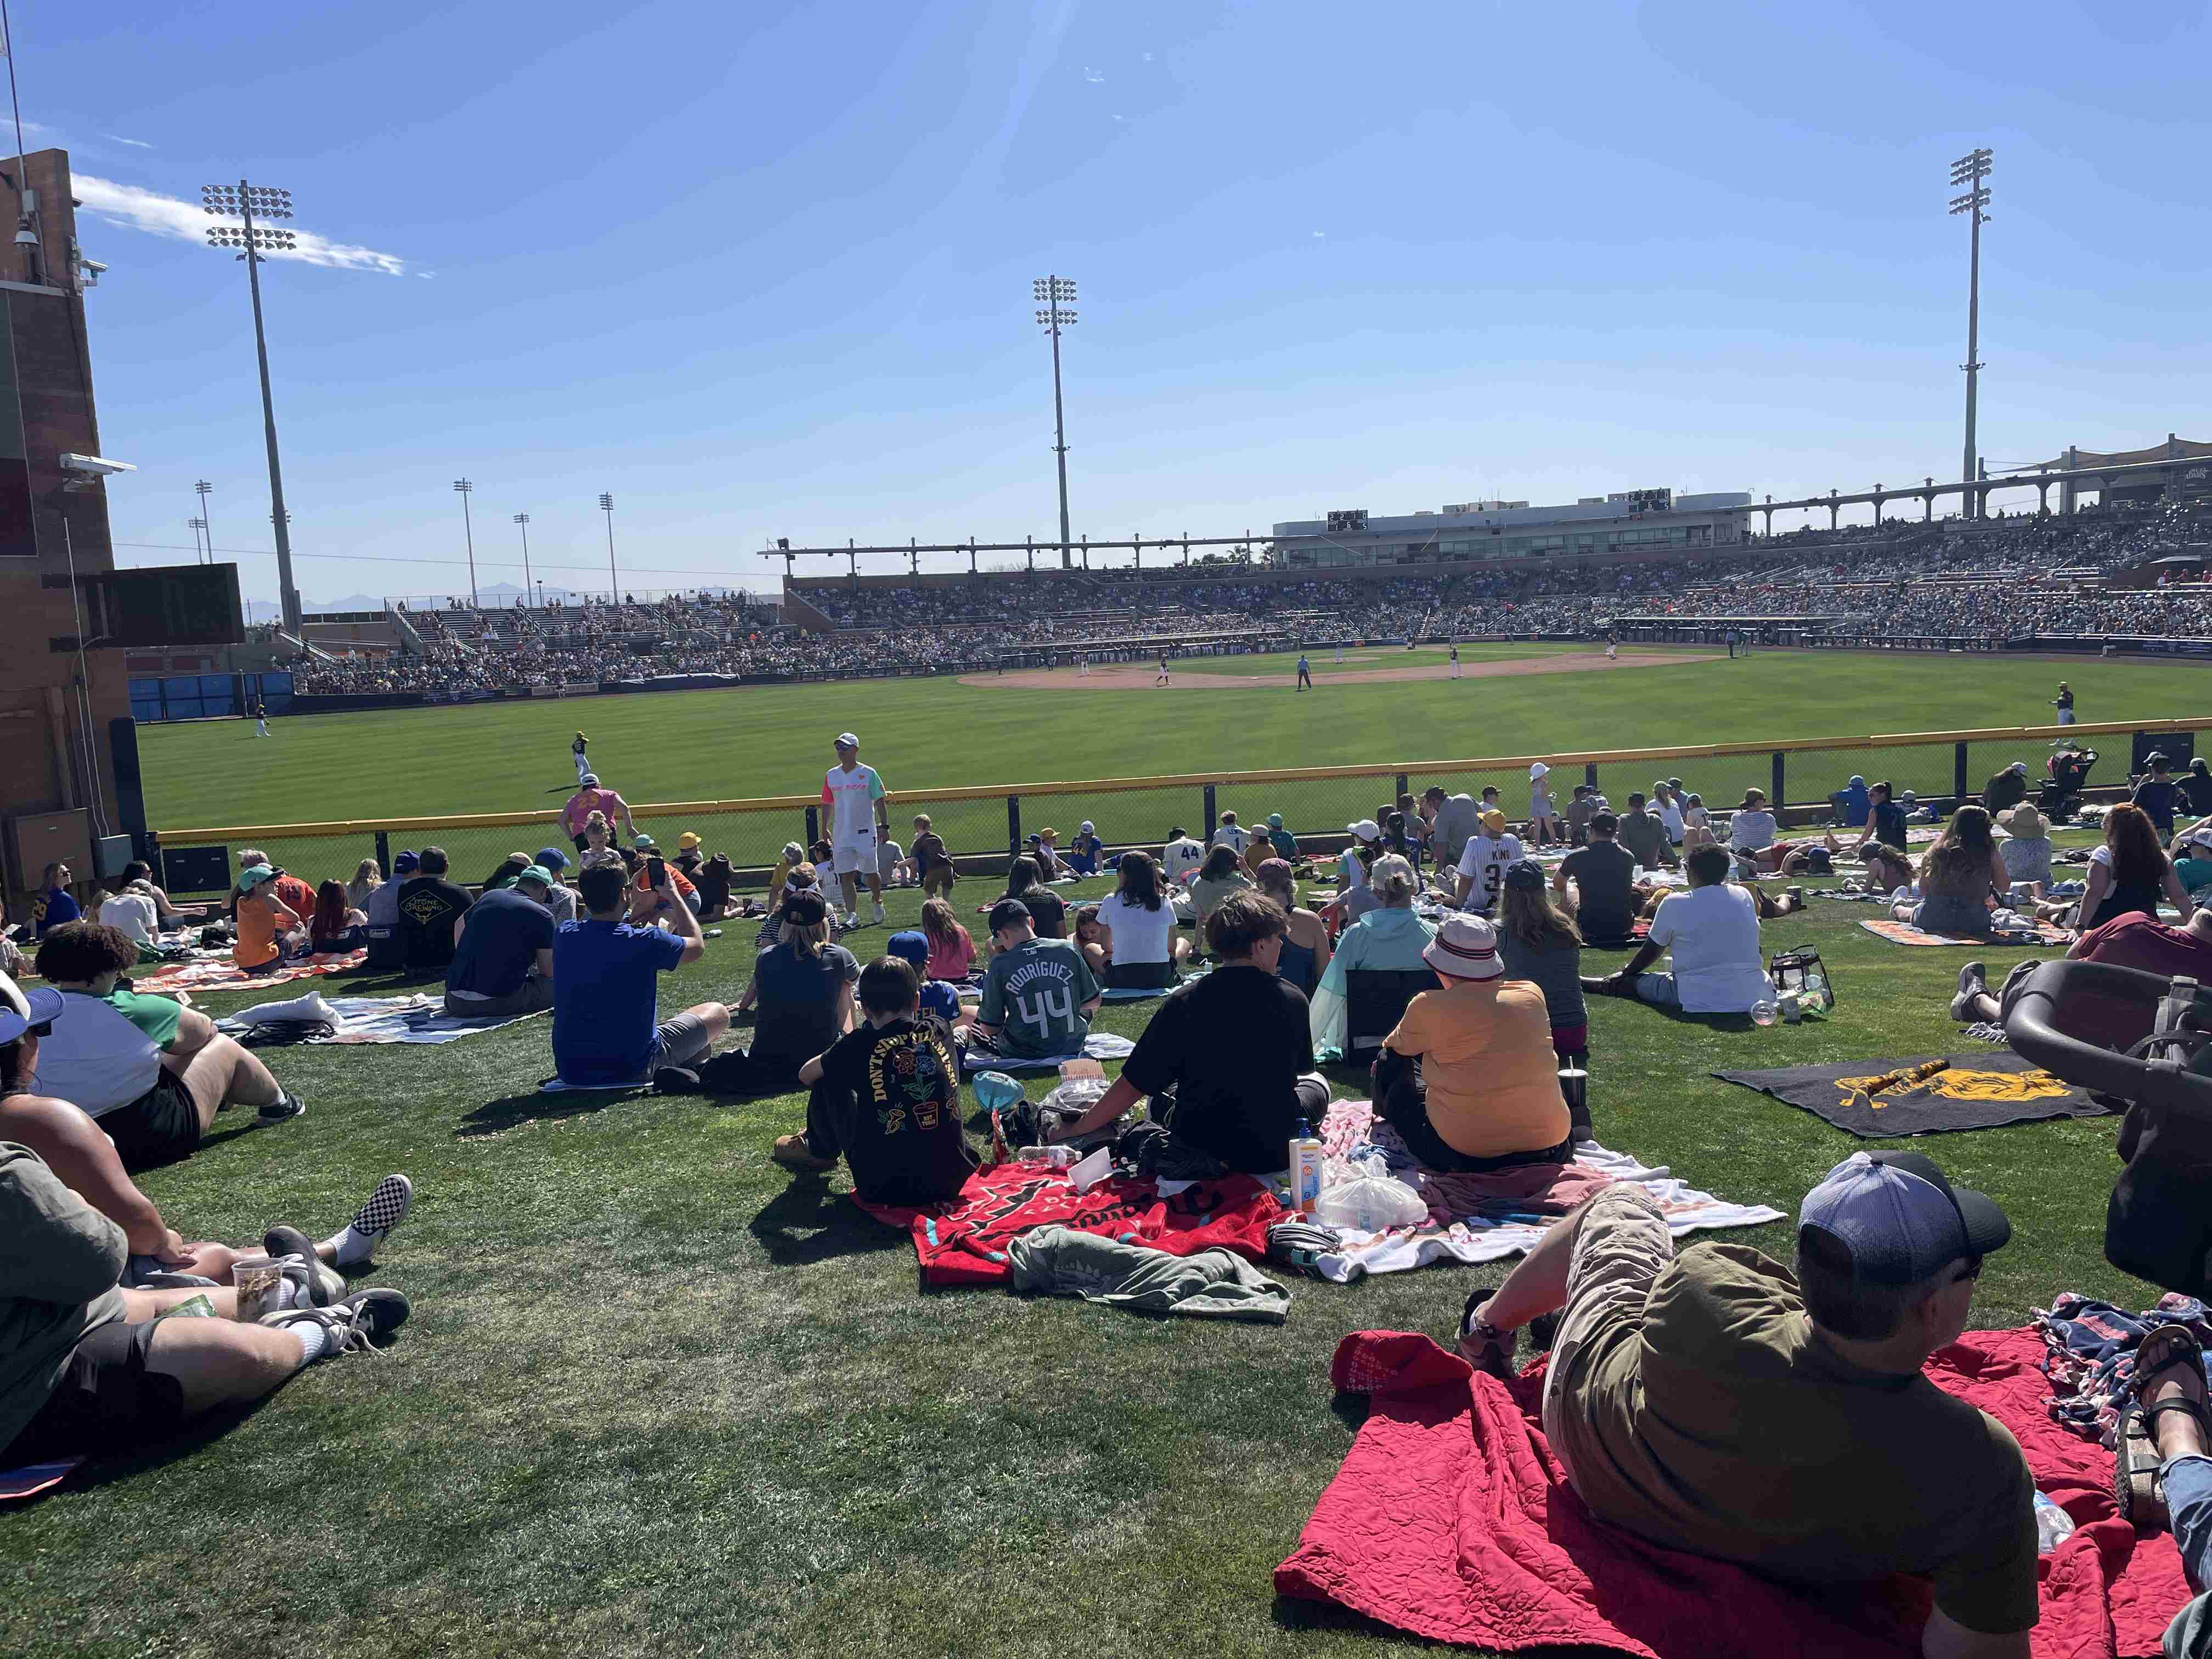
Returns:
<point x="853" y="806"/>
<point x="1305" y="673"/>
<point x="1455" y="659"/>
<point x="576" y="749"/>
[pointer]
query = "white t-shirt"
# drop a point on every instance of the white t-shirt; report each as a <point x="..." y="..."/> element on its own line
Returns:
<point x="1671" y="816"/>
<point x="1484" y="863"/>
<point x="1713" y="933"/>
<point x="1179" y="858"/>
<point x="852" y="797"/>
<point x="1232" y="835"/>
<point x="1140" y="936"/>
<point x="1752" y="830"/>
<point x="133" y="913"/>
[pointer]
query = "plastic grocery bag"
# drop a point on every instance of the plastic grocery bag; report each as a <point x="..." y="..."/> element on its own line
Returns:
<point x="1371" y="1199"/>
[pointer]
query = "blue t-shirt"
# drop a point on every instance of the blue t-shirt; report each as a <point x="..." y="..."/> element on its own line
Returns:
<point x="60" y="908"/>
<point x="501" y="939"/>
<point x="940" y="997"/>
<point x="605" y="1006"/>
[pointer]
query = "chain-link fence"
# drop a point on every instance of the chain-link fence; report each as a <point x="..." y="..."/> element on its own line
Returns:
<point x="1314" y="806"/>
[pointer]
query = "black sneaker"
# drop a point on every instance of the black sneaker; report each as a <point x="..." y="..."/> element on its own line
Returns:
<point x="367" y="1319"/>
<point x="676" y="1080"/>
<point x="325" y="1286"/>
<point x="286" y="1105"/>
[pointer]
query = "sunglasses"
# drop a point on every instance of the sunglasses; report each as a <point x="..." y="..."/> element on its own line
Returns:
<point x="1971" y="1272"/>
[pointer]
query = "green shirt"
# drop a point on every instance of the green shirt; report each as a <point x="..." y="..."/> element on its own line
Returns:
<point x="2193" y="872"/>
<point x="1721" y="1422"/>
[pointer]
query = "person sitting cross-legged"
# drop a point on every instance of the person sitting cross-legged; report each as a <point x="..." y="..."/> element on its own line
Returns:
<point x="1038" y="994"/>
<point x="1716" y="1403"/>
<point x="801" y="995"/>
<point x="1227" y="1059"/>
<point x="152" y="1072"/>
<point x="1713" y="931"/>
<point x="886" y="1099"/>
<point x="1469" y="1078"/>
<point x="606" y="1033"/>
<point x="430" y="912"/>
<point x="1603" y="873"/>
<point x="503" y="964"/>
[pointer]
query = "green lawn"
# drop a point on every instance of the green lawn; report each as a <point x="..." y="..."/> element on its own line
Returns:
<point x="656" y="1397"/>
<point x="1369" y="658"/>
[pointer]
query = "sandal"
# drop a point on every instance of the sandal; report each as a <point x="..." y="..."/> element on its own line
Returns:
<point x="1483" y="1347"/>
<point x="2136" y="1484"/>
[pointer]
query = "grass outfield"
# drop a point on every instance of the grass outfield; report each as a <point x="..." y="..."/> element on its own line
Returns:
<point x="1367" y="659"/>
<point x="659" y="1397"/>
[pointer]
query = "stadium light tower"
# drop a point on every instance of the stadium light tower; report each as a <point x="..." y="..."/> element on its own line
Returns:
<point x="245" y="202"/>
<point x="201" y="490"/>
<point x="523" y="519"/>
<point x="197" y="526"/>
<point x="1055" y="312"/>
<point x="614" y="586"/>
<point x="464" y="488"/>
<point x="1970" y="170"/>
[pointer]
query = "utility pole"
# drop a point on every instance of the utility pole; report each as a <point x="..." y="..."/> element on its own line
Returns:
<point x="1058" y="293"/>
<point x="1970" y="170"/>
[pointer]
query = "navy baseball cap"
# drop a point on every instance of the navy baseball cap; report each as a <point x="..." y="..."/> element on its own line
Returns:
<point x="1900" y="1218"/>
<point x="551" y="858"/>
<point x="1008" y="912"/>
<point x="403" y="861"/>
<point x="911" y="943"/>
<point x="21" y="1010"/>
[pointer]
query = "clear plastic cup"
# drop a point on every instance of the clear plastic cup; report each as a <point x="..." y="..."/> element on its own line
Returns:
<point x="1763" y="1011"/>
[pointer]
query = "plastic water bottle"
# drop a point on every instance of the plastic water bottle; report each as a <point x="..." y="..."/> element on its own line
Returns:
<point x="1817" y="989"/>
<point x="1305" y="1163"/>
<point x="2053" y="1526"/>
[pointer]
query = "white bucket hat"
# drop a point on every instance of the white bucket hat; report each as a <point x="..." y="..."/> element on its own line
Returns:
<point x="1537" y="770"/>
<point x="1464" y="947"/>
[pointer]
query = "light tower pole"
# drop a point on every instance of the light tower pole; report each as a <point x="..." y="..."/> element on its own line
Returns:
<point x="198" y="525"/>
<point x="523" y="519"/>
<point x="462" y="488"/>
<point x="243" y="201"/>
<point x="201" y="490"/>
<point x="1970" y="170"/>
<point x="614" y="586"/>
<point x="1058" y="294"/>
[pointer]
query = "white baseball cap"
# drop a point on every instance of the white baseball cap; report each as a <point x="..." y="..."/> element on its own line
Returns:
<point x="1366" y="829"/>
<point x="1900" y="1218"/>
<point x="1464" y="947"/>
<point x="847" y="740"/>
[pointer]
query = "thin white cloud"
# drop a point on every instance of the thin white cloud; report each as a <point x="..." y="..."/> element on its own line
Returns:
<point x="134" y="144"/>
<point x="157" y="214"/>
<point x="1122" y="118"/>
<point x="1095" y="76"/>
<point x="1148" y="58"/>
<point x="1320" y="236"/>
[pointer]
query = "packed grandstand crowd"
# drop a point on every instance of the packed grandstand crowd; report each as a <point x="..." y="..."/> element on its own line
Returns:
<point x="2003" y="578"/>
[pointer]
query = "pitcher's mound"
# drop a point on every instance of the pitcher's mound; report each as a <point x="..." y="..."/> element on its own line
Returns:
<point x="1193" y="675"/>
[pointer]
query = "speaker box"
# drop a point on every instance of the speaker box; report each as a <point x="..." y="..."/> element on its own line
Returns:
<point x="2179" y="748"/>
<point x="196" y="869"/>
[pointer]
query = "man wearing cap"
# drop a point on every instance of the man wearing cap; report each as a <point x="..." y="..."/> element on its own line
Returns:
<point x="2157" y="795"/>
<point x="2063" y="702"/>
<point x="1452" y="819"/>
<point x="559" y="899"/>
<point x="2006" y="789"/>
<point x="2192" y="860"/>
<point x="1468" y="1078"/>
<point x="1854" y="798"/>
<point x="1482" y="862"/>
<point x="1038" y="994"/>
<point x="1085" y="850"/>
<point x="503" y="962"/>
<point x="1284" y="844"/>
<point x="385" y="950"/>
<point x="1227" y="1059"/>
<point x="853" y="809"/>
<point x="590" y="798"/>
<point x="1713" y="931"/>
<point x="1716" y="1403"/>
<point x="1603" y="872"/>
<point x="1179" y="858"/>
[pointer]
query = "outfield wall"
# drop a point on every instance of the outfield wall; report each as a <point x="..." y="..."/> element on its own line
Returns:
<point x="985" y="823"/>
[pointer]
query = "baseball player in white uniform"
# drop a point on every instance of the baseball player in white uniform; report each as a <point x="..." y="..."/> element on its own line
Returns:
<point x="1482" y="865"/>
<point x="853" y="803"/>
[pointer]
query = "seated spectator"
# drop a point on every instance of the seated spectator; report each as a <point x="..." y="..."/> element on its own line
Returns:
<point x="1854" y="799"/>
<point x="2192" y="860"/>
<point x="1674" y="1380"/>
<point x="503" y="876"/>
<point x="1697" y="820"/>
<point x="1047" y="911"/>
<point x="803" y="879"/>
<point x="1582" y="807"/>
<point x="1645" y="836"/>
<point x="292" y="893"/>
<point x="604" y="1028"/>
<point x="1038" y="994"/>
<point x="931" y="860"/>
<point x="1452" y="819"/>
<point x="649" y="874"/>
<point x="1389" y="936"/>
<point x="1469" y="1078"/>
<point x="1355" y="866"/>
<point x="503" y="964"/>
<point x="793" y="855"/>
<point x="386" y="948"/>
<point x="2130" y="939"/>
<point x="886" y="1099"/>
<point x="689" y="858"/>
<point x="1285" y="844"/>
<point x="1143" y="949"/>
<point x="1239" y="1101"/>
<point x="93" y="1368"/>
<point x="1713" y="931"/>
<point x="334" y="925"/>
<point x="1542" y="945"/>
<point x="2005" y="789"/>
<point x="938" y="997"/>
<point x="892" y="868"/>
<point x="1231" y="834"/>
<point x="130" y="909"/>
<point x="2024" y="851"/>
<point x="152" y="1072"/>
<point x="2129" y="871"/>
<point x="560" y="899"/>
<point x="430" y="912"/>
<point x="1093" y="938"/>
<point x="139" y="873"/>
<point x="951" y="947"/>
<point x="1886" y="820"/>
<point x="1482" y="861"/>
<point x="2196" y="787"/>
<point x="1667" y="806"/>
<point x="802" y="997"/>
<point x="267" y="927"/>
<point x="1181" y="857"/>
<point x="56" y="906"/>
<point x="1752" y="825"/>
<point x="712" y="880"/>
<point x="1959" y="875"/>
<point x="1306" y="950"/>
<point x="367" y="878"/>
<point x="1888" y="871"/>
<point x="2157" y="795"/>
<point x="1044" y="853"/>
<point x="2170" y="1388"/>
<point x="1222" y="874"/>
<point x="1086" y="850"/>
<point x="1602" y="871"/>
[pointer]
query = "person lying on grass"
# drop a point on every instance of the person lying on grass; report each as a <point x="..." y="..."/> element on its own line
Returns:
<point x="1718" y="1403"/>
<point x="1713" y="930"/>
<point x="2171" y="1432"/>
<point x="152" y="1072"/>
<point x="88" y="1366"/>
<point x="1228" y="1058"/>
<point x="885" y="1098"/>
<point x="2130" y="939"/>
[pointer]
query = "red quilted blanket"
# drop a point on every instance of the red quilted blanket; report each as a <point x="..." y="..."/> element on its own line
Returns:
<point x="1450" y="1519"/>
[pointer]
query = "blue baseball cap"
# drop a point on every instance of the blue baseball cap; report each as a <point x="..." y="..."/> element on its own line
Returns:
<point x="1900" y="1218"/>
<point x="911" y="943"/>
<point x="551" y="858"/>
<point x="403" y="861"/>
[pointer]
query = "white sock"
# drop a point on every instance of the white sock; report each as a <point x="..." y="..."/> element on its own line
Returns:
<point x="314" y="1340"/>
<point x="350" y="1248"/>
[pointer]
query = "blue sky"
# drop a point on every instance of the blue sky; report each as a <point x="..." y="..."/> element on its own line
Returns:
<point x="764" y="270"/>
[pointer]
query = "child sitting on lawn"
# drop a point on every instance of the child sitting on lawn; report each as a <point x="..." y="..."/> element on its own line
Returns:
<point x="886" y="1099"/>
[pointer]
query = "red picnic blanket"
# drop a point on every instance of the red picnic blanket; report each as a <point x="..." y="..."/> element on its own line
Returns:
<point x="218" y="973"/>
<point x="964" y="1241"/>
<point x="1450" y="1519"/>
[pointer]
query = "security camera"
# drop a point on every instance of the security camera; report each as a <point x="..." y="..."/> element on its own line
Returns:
<point x="93" y="467"/>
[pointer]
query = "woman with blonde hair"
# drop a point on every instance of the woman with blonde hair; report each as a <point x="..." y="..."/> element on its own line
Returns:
<point x="367" y="878"/>
<point x="1305" y="952"/>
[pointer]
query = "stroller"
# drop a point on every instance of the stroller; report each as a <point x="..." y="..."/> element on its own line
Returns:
<point x="2060" y="797"/>
<point x="2158" y="1224"/>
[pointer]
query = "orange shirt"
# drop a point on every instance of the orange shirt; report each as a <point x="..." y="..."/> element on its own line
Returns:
<point x="1491" y="1076"/>
<point x="257" y="933"/>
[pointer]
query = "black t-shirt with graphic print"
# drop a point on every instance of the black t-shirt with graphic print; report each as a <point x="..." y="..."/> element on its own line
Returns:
<point x="891" y="1102"/>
